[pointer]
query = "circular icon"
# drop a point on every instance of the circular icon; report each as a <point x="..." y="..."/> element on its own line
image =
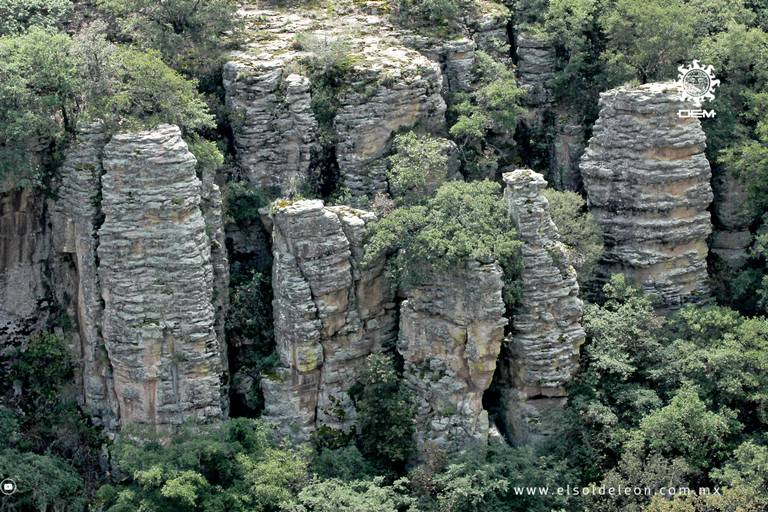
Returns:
<point x="696" y="83"/>
<point x="8" y="487"/>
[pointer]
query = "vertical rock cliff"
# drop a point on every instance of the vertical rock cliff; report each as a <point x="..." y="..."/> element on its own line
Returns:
<point x="157" y="282"/>
<point x="80" y="216"/>
<point x="648" y="184"/>
<point x="275" y="91"/>
<point x="451" y="329"/>
<point x="329" y="315"/>
<point x="542" y="355"/>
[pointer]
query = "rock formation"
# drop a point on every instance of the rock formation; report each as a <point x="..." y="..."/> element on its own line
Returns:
<point x="386" y="88"/>
<point x="543" y="346"/>
<point x="157" y="282"/>
<point x="79" y="213"/>
<point x="535" y="67"/>
<point x="647" y="181"/>
<point x="329" y="315"/>
<point x="451" y="330"/>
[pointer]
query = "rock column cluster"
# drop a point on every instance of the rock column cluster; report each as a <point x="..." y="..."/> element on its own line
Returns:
<point x="648" y="184"/>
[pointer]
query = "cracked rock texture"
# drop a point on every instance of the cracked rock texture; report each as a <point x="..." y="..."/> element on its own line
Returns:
<point x="648" y="184"/>
<point x="157" y="280"/>
<point x="535" y="67"/>
<point x="451" y="329"/>
<point x="387" y="88"/>
<point x="329" y="315"/>
<point x="79" y="215"/>
<point x="542" y="353"/>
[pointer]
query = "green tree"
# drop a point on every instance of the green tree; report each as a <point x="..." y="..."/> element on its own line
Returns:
<point x="39" y="87"/>
<point x="486" y="117"/>
<point x="335" y="495"/>
<point x="384" y="413"/>
<point x="418" y="166"/>
<point x="191" y="35"/>
<point x="579" y="231"/>
<point x="230" y="466"/>
<point x="463" y="221"/>
<point x="645" y="39"/>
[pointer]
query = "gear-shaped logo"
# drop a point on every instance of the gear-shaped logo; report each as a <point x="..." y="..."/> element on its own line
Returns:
<point x="697" y="83"/>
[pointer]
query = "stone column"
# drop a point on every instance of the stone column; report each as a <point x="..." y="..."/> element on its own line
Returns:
<point x="648" y="184"/>
<point x="543" y="347"/>
<point x="157" y="281"/>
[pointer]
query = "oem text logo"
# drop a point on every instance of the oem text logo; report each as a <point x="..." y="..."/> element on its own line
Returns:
<point x="697" y="85"/>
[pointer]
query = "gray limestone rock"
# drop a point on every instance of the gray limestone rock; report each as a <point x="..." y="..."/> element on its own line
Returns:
<point x="732" y="216"/>
<point x="648" y="184"/>
<point x="386" y="89"/>
<point x="451" y="329"/>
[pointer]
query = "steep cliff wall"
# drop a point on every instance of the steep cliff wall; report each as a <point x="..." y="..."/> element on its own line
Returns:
<point x="648" y="184"/>
<point x="451" y="330"/>
<point x="79" y="216"/>
<point x="732" y="216"/>
<point x="329" y="315"/>
<point x="543" y="347"/>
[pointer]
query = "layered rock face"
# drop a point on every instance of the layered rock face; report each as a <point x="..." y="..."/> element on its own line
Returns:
<point x="79" y="216"/>
<point x="648" y="184"/>
<point x="157" y="282"/>
<point x="386" y="88"/>
<point x="535" y="67"/>
<point x="451" y="330"/>
<point x="543" y="347"/>
<point x="329" y="315"/>
<point x="25" y="249"/>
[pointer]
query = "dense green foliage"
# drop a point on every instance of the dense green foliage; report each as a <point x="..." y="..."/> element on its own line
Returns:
<point x="18" y="16"/>
<point x="486" y="117"/>
<point x="417" y="165"/>
<point x="191" y="35"/>
<point x="384" y="413"/>
<point x="579" y="231"/>
<point x="463" y="221"/>
<point x="49" y="446"/>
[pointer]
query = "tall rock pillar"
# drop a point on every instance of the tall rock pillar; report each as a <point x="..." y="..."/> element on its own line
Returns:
<point x="543" y="348"/>
<point x="157" y="280"/>
<point x="648" y="184"/>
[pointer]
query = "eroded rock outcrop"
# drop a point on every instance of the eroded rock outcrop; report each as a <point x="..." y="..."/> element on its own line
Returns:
<point x="157" y="282"/>
<point x="648" y="184"/>
<point x="385" y="88"/>
<point x="329" y="315"/>
<point x="542" y="353"/>
<point x="451" y="329"/>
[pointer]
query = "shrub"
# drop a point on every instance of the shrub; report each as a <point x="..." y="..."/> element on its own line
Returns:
<point x="463" y="221"/>
<point x="430" y="14"/>
<point x="417" y="167"/>
<point x="579" y="231"/>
